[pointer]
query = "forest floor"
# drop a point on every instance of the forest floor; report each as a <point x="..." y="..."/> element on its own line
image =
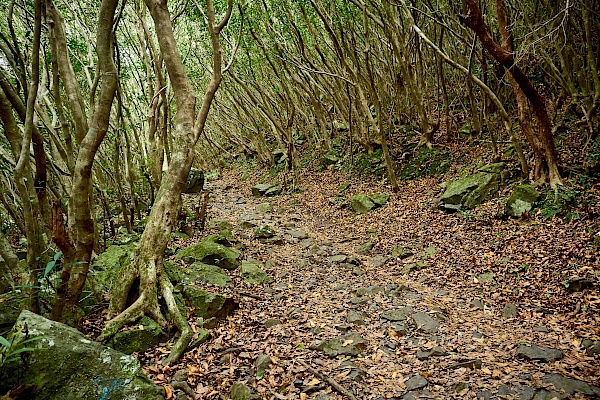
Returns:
<point x="461" y="323"/>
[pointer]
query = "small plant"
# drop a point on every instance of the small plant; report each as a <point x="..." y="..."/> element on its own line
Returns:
<point x="14" y="345"/>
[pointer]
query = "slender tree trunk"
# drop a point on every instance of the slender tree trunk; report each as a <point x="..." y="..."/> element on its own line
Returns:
<point x="474" y="20"/>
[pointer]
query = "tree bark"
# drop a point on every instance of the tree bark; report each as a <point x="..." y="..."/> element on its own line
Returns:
<point x="474" y="20"/>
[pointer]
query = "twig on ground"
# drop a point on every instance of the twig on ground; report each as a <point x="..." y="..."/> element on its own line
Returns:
<point x="332" y="382"/>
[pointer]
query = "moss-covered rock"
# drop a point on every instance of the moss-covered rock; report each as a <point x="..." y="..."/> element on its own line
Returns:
<point x="521" y="201"/>
<point x="264" y="207"/>
<point x="209" y="251"/>
<point x="264" y="232"/>
<point x="363" y="203"/>
<point x="107" y="267"/>
<point x="147" y="334"/>
<point x="196" y="272"/>
<point x="252" y="273"/>
<point x="220" y="225"/>
<point x="208" y="304"/>
<point x="350" y="344"/>
<point x="67" y="365"/>
<point x="264" y="189"/>
<point x="471" y="191"/>
<point x="9" y="312"/>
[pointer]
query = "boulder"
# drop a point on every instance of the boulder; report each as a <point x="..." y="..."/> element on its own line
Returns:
<point x="68" y="365"/>
<point x="107" y="267"/>
<point x="253" y="274"/>
<point x="209" y="251"/>
<point x="195" y="181"/>
<point x="9" y="312"/>
<point x="363" y="203"/>
<point x="208" y="305"/>
<point x="521" y="201"/>
<point x="147" y="334"/>
<point x="471" y="191"/>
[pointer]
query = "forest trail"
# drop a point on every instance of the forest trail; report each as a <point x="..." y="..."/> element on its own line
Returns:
<point x="443" y="306"/>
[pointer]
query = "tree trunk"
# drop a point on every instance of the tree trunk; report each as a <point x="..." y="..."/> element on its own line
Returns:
<point x="474" y="20"/>
<point x="147" y="260"/>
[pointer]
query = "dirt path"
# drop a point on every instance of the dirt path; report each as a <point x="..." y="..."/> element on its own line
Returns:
<point x="441" y="307"/>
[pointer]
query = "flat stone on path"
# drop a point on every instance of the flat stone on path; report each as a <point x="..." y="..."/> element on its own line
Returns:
<point x="350" y="344"/>
<point x="416" y="382"/>
<point x="510" y="311"/>
<point x="378" y="261"/>
<point x="571" y="386"/>
<point x="426" y="322"/>
<point x="397" y="315"/>
<point x="539" y="353"/>
<point x="355" y="317"/>
<point x="298" y="234"/>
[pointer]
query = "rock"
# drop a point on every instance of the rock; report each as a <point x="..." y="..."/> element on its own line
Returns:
<point x="541" y="329"/>
<point x="486" y="278"/>
<point x="416" y="382"/>
<point x="510" y="311"/>
<point x="271" y="322"/>
<point x="279" y="156"/>
<point x="401" y="252"/>
<point x="400" y="329"/>
<point x="264" y="232"/>
<point x="181" y="375"/>
<point x="263" y="362"/>
<point x="591" y="347"/>
<point x="425" y="322"/>
<point x="471" y="191"/>
<point x="68" y="365"/>
<point x="484" y="395"/>
<point x="397" y="315"/>
<point x="477" y="304"/>
<point x="264" y="207"/>
<point x="338" y="258"/>
<point x="460" y="386"/>
<point x="364" y="248"/>
<point x="434" y="352"/>
<point x="203" y="336"/>
<point x="297" y="234"/>
<point x="9" y="312"/>
<point x="472" y="364"/>
<point x="208" y="304"/>
<point x="378" y="261"/>
<point x="329" y="160"/>
<point x="107" y="267"/>
<point x="578" y="284"/>
<point x="195" y="182"/>
<point x="363" y="203"/>
<point x="148" y="334"/>
<point x="538" y="353"/>
<point x="358" y="271"/>
<point x="408" y="268"/>
<point x="253" y="274"/>
<point x="196" y="272"/>
<point x="350" y="344"/>
<point x="209" y="251"/>
<point x="521" y="201"/>
<point x="248" y="223"/>
<point x="356" y="318"/>
<point x="570" y="386"/>
<point x="274" y="190"/>
<point x="260" y="189"/>
<point x="220" y="225"/>
<point x="240" y="391"/>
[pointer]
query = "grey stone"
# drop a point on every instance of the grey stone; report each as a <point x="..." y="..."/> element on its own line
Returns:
<point x="364" y="248"/>
<point x="486" y="278"/>
<point x="203" y="336"/>
<point x="357" y="271"/>
<point x="510" y="311"/>
<point x="209" y="251"/>
<point x="460" y="386"/>
<point x="472" y="364"/>
<point x="425" y="322"/>
<point x="271" y="322"/>
<point x="260" y="189"/>
<point x="208" y="305"/>
<point x="355" y="317"/>
<point x="264" y="207"/>
<point x="9" y="312"/>
<point x="220" y="225"/>
<point x="240" y="391"/>
<point x="538" y="353"/>
<point x="263" y="362"/>
<point x="477" y="304"/>
<point x="569" y="385"/>
<point x="202" y="272"/>
<point x="363" y="203"/>
<point x="253" y="274"/>
<point x="298" y="234"/>
<point x="264" y="232"/>
<point x="68" y="365"/>
<point x="351" y="344"/>
<point x="397" y="315"/>
<point x="378" y="261"/>
<point x="471" y="191"/>
<point x="338" y="258"/>
<point x="416" y="382"/>
<point x="521" y="201"/>
<point x="591" y="347"/>
<point x="147" y="334"/>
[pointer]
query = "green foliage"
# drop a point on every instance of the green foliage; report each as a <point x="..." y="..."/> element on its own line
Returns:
<point x="556" y="203"/>
<point x="592" y="157"/>
<point x="14" y="345"/>
<point x="426" y="162"/>
<point x="370" y="164"/>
